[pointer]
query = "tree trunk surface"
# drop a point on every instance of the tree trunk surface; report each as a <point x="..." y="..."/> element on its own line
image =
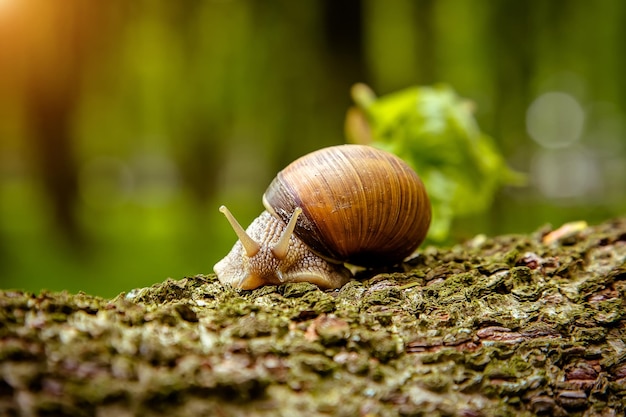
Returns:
<point x="518" y="325"/>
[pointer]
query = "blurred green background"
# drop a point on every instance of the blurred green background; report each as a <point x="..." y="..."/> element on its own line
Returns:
<point x="125" y="124"/>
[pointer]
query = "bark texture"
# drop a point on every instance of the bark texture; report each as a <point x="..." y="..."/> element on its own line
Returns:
<point x="505" y="326"/>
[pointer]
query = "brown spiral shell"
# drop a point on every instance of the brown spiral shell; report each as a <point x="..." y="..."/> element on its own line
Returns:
<point x="360" y="205"/>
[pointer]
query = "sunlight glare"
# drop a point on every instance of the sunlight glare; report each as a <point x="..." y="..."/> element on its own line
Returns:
<point x="6" y="4"/>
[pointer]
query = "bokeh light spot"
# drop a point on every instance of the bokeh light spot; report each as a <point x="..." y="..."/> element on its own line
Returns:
<point x="555" y="120"/>
<point x="566" y="173"/>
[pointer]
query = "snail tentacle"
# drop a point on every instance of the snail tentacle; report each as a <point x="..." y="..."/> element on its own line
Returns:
<point x="251" y="247"/>
<point x="281" y="248"/>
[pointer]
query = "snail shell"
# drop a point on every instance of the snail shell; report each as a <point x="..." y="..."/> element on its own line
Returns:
<point x="347" y="203"/>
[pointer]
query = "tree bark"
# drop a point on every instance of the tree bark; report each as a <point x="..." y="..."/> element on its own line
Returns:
<point x="504" y="326"/>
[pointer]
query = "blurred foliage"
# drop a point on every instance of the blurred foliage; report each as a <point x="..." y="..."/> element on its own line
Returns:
<point x="124" y="125"/>
<point x="434" y="130"/>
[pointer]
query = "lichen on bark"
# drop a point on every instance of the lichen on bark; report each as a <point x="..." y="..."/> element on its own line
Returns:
<point x="505" y="326"/>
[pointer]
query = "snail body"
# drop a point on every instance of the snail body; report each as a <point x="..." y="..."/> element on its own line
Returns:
<point x="343" y="204"/>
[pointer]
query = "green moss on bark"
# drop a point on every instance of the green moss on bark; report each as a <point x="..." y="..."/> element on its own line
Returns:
<point x="506" y="326"/>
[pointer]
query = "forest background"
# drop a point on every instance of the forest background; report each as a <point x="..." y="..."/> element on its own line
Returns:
<point x="124" y="125"/>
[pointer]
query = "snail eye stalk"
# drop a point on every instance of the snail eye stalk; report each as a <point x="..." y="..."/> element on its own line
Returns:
<point x="281" y="247"/>
<point x="249" y="245"/>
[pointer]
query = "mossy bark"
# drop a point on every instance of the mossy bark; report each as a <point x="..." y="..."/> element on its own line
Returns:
<point x="509" y="326"/>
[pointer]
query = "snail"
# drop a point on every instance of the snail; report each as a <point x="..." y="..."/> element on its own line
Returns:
<point x="351" y="204"/>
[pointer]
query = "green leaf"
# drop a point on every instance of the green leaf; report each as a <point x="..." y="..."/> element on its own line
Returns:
<point x="434" y="130"/>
